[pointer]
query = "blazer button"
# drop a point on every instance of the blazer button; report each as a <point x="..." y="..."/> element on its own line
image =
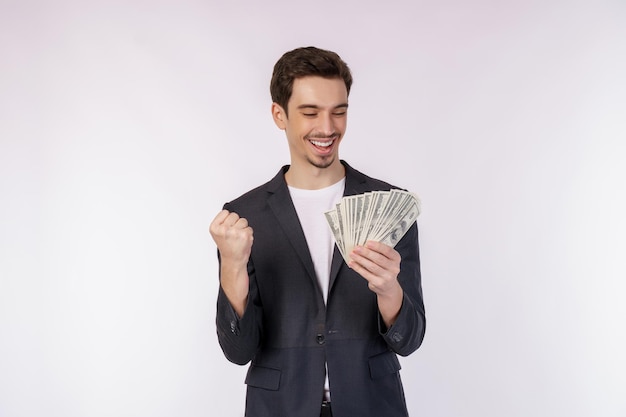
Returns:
<point x="320" y="339"/>
<point x="397" y="337"/>
<point x="233" y="328"/>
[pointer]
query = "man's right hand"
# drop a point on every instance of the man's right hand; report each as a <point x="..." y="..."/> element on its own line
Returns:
<point x="233" y="237"/>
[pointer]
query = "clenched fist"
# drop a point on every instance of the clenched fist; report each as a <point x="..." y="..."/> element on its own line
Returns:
<point x="233" y="237"/>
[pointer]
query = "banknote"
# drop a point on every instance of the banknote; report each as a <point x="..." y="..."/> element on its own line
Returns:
<point x="383" y="216"/>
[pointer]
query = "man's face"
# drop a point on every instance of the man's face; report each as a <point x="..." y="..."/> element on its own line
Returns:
<point x="316" y="121"/>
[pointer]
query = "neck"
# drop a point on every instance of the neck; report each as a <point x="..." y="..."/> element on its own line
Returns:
<point x="310" y="177"/>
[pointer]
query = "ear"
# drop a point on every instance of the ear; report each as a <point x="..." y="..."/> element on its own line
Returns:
<point x="279" y="115"/>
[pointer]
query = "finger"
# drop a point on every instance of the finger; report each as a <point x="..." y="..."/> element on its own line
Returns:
<point x="240" y="233"/>
<point x="373" y="280"/>
<point x="221" y="216"/>
<point x="241" y="223"/>
<point x="385" y="250"/>
<point x="218" y="221"/>
<point x="367" y="275"/>
<point x="377" y="263"/>
<point x="364" y="265"/>
<point x="372" y="256"/>
<point x="231" y="219"/>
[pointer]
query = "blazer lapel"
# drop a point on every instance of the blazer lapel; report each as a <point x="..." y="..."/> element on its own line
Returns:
<point x="335" y="266"/>
<point x="282" y="206"/>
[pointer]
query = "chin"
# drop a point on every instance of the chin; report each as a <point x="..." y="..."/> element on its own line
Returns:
<point x="322" y="163"/>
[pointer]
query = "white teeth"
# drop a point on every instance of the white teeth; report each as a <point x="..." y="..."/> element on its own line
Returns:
<point x="322" y="144"/>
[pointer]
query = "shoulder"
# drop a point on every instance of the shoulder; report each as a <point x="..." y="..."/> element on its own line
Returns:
<point x="358" y="182"/>
<point x="250" y="196"/>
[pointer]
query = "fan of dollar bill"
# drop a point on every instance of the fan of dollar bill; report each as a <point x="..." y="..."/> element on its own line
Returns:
<point x="383" y="216"/>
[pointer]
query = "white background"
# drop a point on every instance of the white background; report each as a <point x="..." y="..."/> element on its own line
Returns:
<point x="125" y="125"/>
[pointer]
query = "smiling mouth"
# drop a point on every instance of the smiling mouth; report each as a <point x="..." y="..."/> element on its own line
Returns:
<point x="322" y="141"/>
<point x="322" y="144"/>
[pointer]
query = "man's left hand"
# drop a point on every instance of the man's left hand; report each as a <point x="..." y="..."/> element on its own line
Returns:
<point x="379" y="264"/>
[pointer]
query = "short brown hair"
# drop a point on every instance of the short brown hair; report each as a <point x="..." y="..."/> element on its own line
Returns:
<point x="303" y="62"/>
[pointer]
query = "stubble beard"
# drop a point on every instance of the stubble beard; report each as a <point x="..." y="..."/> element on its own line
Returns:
<point x="323" y="163"/>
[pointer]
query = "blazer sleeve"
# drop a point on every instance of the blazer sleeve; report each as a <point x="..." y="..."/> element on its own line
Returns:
<point x="240" y="337"/>
<point x="407" y="332"/>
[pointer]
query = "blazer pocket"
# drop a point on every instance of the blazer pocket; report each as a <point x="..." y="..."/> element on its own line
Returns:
<point x="262" y="377"/>
<point x="383" y="364"/>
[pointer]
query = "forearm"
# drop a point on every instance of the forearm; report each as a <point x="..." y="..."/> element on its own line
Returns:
<point x="234" y="281"/>
<point x="389" y="305"/>
<point x="239" y="332"/>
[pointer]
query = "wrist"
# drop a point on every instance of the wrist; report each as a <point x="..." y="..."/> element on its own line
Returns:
<point x="233" y="267"/>
<point x="389" y="305"/>
<point x="393" y="293"/>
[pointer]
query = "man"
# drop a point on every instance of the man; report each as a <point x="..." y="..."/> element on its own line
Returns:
<point x="318" y="332"/>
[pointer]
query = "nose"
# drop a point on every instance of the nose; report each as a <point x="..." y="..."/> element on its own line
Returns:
<point x="327" y="124"/>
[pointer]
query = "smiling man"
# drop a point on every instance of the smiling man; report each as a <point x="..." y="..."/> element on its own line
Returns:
<point x="318" y="332"/>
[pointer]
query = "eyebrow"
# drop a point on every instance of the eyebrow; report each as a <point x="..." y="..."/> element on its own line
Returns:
<point x="316" y="107"/>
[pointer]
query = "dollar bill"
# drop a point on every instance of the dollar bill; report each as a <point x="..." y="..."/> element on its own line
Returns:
<point x="383" y="216"/>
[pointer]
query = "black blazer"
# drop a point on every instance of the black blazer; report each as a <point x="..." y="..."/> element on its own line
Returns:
<point x="289" y="334"/>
